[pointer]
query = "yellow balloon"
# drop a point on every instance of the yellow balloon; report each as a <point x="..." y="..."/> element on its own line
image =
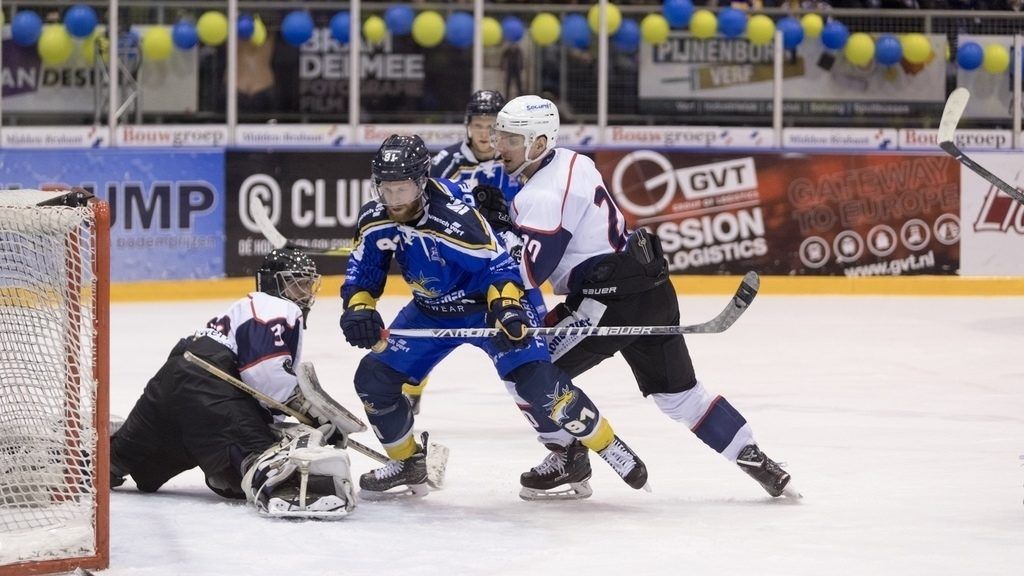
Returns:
<point x="491" y="30"/>
<point x="428" y="29"/>
<point x="760" y="29"/>
<point x="99" y="35"/>
<point x="812" y="24"/>
<point x="374" y="29"/>
<point x="916" y="48"/>
<point x="997" y="59"/>
<point x="157" y="43"/>
<point x="614" y="17"/>
<point x="55" y="45"/>
<point x="545" y="29"/>
<point x="212" y="28"/>
<point x="654" y="29"/>
<point x="703" y="24"/>
<point x="859" y="49"/>
<point x="259" y="32"/>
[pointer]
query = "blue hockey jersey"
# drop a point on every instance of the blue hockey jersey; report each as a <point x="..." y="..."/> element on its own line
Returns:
<point x="457" y="163"/>
<point x="449" y="256"/>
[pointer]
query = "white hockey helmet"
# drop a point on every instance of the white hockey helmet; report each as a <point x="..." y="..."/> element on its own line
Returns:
<point x="531" y="117"/>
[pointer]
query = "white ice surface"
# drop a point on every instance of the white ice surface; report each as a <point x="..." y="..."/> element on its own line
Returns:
<point x="901" y="419"/>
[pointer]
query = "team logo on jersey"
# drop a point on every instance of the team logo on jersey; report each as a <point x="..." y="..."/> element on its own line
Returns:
<point x="421" y="286"/>
<point x="561" y="400"/>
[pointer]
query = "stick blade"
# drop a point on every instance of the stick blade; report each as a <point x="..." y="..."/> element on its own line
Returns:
<point x="262" y="220"/>
<point x="955" y="105"/>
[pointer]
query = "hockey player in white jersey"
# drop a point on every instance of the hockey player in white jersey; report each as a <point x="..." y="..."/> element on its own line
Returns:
<point x="188" y="417"/>
<point x="576" y="238"/>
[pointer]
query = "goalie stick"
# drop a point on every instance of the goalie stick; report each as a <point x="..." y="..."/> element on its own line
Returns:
<point x="437" y="454"/>
<point x="278" y="240"/>
<point x="951" y="114"/>
<point x="737" y="305"/>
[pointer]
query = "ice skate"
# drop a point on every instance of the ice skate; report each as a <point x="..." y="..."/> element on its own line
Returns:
<point x="766" y="471"/>
<point x="562" y="475"/>
<point x="397" y="478"/>
<point x="626" y="464"/>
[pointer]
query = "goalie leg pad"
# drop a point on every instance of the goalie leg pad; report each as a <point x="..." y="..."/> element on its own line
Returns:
<point x="301" y="478"/>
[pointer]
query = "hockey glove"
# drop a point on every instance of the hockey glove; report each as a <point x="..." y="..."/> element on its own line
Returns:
<point x="491" y="204"/>
<point x="361" y="323"/>
<point x="505" y="312"/>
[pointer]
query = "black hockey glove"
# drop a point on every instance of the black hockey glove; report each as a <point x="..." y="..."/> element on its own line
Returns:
<point x="505" y="312"/>
<point x="491" y="204"/>
<point x="360" y="322"/>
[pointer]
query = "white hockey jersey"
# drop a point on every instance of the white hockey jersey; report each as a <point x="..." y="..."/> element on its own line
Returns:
<point x="265" y="332"/>
<point x="567" y="217"/>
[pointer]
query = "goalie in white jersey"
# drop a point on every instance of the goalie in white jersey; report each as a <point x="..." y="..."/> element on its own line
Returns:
<point x="575" y="237"/>
<point x="189" y="417"/>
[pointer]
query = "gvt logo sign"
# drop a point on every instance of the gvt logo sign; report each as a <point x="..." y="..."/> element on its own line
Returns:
<point x="646" y="183"/>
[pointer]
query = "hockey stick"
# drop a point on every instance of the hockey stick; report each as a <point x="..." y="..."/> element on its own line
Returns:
<point x="737" y="305"/>
<point x="277" y="240"/>
<point x="951" y="114"/>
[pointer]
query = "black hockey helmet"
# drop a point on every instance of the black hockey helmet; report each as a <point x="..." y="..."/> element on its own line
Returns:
<point x="484" y="103"/>
<point x="401" y="158"/>
<point x="290" y="274"/>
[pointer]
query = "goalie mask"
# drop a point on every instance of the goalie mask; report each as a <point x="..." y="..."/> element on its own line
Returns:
<point x="290" y="274"/>
<point x="400" y="176"/>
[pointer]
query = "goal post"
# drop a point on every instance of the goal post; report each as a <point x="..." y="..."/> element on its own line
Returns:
<point x="54" y="381"/>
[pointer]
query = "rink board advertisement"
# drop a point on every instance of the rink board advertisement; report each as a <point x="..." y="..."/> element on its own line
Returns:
<point x="312" y="197"/>
<point x="828" y="214"/>
<point x="734" y="77"/>
<point x="993" y="223"/>
<point x="167" y="208"/>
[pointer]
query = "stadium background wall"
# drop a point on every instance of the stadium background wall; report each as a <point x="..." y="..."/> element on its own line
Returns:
<point x="833" y="222"/>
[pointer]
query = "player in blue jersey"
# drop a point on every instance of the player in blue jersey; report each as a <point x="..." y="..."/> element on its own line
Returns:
<point x="187" y="417"/>
<point x="461" y="277"/>
<point x="470" y="163"/>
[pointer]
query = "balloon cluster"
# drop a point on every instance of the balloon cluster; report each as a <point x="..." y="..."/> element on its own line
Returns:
<point x="994" y="58"/>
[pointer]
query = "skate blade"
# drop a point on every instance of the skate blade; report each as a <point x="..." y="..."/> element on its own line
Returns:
<point x="790" y="491"/>
<point x="437" y="464"/>
<point x="409" y="491"/>
<point x="572" y="491"/>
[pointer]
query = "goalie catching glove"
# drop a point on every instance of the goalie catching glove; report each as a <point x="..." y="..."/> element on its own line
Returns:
<point x="300" y="477"/>
<point x="506" y="313"/>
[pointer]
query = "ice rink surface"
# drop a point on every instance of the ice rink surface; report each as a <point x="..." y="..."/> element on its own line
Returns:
<point x="900" y="418"/>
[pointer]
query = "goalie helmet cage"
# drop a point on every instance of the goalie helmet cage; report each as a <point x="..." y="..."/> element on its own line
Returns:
<point x="54" y="340"/>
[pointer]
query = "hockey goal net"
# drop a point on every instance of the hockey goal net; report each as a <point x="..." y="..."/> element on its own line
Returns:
<point x="54" y="292"/>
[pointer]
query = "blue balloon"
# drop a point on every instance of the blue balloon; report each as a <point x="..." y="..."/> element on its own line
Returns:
<point x="677" y="12"/>
<point x="340" y="23"/>
<point x="732" y="23"/>
<point x="458" y="30"/>
<point x="970" y="55"/>
<point x="888" y="50"/>
<point x="576" y="31"/>
<point x="246" y="26"/>
<point x="184" y="35"/>
<point x="834" y="35"/>
<point x="297" y="27"/>
<point x="80" y="20"/>
<point x="512" y="29"/>
<point x="26" y="28"/>
<point x="627" y="37"/>
<point x="399" y="19"/>
<point x="792" y="32"/>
